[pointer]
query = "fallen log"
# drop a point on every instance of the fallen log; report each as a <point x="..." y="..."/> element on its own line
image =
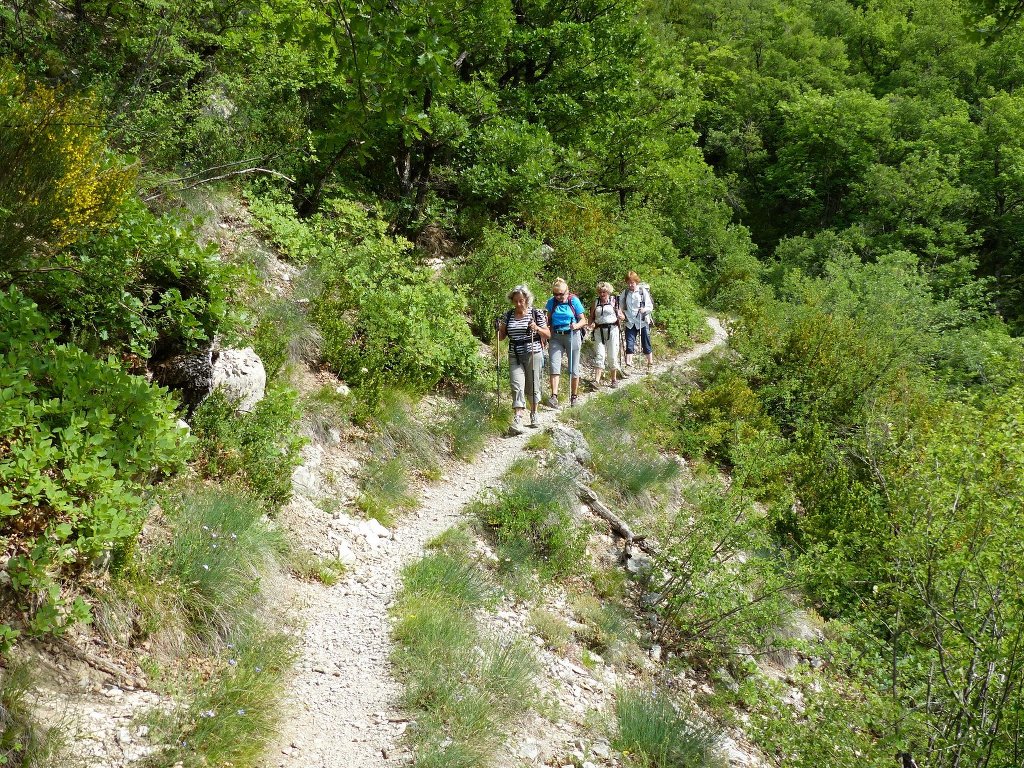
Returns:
<point x="619" y="526"/>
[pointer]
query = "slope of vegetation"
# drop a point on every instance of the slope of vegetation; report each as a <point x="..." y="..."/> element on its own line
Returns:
<point x="846" y="179"/>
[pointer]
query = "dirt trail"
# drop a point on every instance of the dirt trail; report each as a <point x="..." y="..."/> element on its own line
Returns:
<point x="342" y="702"/>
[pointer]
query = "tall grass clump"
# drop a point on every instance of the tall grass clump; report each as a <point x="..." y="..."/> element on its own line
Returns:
<point x="235" y="713"/>
<point x="533" y="515"/>
<point x="23" y="742"/>
<point x="464" y="687"/>
<point x="653" y="734"/>
<point x="219" y="545"/>
<point x="284" y="336"/>
<point x="401" y="444"/>
<point x="475" y="418"/>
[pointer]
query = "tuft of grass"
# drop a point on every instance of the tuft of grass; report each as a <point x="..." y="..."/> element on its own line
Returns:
<point x="385" y="490"/>
<point x="24" y="743"/>
<point x="219" y="545"/>
<point x="235" y="714"/>
<point x="325" y="409"/>
<point x="284" y="336"/>
<point x="653" y="734"/>
<point x="464" y="688"/>
<point x="607" y="630"/>
<point x="553" y="629"/>
<point x="541" y="441"/>
<point x="535" y="508"/>
<point x="633" y="472"/>
<point x="472" y="421"/>
<point x="306" y="565"/>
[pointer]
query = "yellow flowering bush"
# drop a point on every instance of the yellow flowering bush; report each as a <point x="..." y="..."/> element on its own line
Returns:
<point x="57" y="181"/>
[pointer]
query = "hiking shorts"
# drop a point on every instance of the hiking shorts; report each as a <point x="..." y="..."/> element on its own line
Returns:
<point x="606" y="344"/>
<point x="567" y="344"/>
<point x="526" y="373"/>
<point x="645" y="340"/>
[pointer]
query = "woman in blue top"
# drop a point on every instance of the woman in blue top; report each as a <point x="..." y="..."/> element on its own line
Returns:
<point x="565" y="317"/>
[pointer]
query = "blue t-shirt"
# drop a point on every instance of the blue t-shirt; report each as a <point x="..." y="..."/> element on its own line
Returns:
<point x="562" y="315"/>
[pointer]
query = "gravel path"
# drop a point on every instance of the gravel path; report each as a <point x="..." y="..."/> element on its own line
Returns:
<point x="342" y="703"/>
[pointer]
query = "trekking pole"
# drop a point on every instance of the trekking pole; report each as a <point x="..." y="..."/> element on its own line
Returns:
<point x="497" y="364"/>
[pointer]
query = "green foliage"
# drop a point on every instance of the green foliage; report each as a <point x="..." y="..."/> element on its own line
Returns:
<point x="606" y="627"/>
<point x="261" y="447"/>
<point x="25" y="743"/>
<point x="83" y="442"/>
<point x="652" y="733"/>
<point x="552" y="628"/>
<point x="534" y="511"/>
<point x="385" y="320"/>
<point x="502" y="258"/>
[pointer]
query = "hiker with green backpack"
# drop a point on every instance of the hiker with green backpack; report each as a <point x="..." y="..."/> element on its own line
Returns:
<point x="568" y="321"/>
<point x="526" y="328"/>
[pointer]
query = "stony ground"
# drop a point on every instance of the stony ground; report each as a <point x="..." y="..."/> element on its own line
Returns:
<point x="342" y="704"/>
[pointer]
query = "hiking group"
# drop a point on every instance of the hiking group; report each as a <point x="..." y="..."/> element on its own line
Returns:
<point x="561" y="327"/>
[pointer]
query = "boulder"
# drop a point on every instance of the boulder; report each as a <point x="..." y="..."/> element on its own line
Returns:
<point x="241" y="375"/>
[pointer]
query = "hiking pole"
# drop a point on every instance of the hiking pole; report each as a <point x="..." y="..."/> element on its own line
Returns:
<point x="497" y="363"/>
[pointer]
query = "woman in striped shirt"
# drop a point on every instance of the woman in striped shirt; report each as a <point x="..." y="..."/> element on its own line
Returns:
<point x="524" y="327"/>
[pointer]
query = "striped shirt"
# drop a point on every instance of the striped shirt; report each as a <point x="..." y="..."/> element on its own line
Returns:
<point x="519" y="333"/>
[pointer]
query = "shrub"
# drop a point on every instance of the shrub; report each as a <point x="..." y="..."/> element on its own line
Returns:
<point x="82" y="443"/>
<point x="653" y="734"/>
<point x="261" y="447"/>
<point x="284" y="336"/>
<point x="501" y="258"/>
<point x="385" y="319"/>
<point x="57" y="183"/>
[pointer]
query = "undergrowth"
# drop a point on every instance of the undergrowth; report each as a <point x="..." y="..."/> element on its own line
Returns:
<point x="653" y="733"/>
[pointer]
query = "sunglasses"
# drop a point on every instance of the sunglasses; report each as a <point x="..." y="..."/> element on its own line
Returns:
<point x="560" y="295"/>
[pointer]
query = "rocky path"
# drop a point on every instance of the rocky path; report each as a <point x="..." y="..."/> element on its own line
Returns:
<point x="342" y="702"/>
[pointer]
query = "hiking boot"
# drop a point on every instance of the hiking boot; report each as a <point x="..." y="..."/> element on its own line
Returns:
<point x="573" y="399"/>
<point x="553" y="401"/>
<point x="533" y="420"/>
<point x="516" y="427"/>
<point x="614" y="384"/>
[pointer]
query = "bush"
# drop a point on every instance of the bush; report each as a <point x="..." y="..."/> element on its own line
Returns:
<point x="385" y="320"/>
<point x="475" y="418"/>
<point x="57" y="183"/>
<point x="82" y="443"/>
<point x="501" y="259"/>
<point x="261" y="447"/>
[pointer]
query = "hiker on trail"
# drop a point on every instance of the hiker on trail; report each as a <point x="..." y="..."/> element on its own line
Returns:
<point x="566" y="316"/>
<point x="605" y="324"/>
<point x="524" y="326"/>
<point x="636" y="305"/>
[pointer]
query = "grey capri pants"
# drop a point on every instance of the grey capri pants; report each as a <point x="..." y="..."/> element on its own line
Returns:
<point x="559" y="345"/>
<point x="526" y="377"/>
